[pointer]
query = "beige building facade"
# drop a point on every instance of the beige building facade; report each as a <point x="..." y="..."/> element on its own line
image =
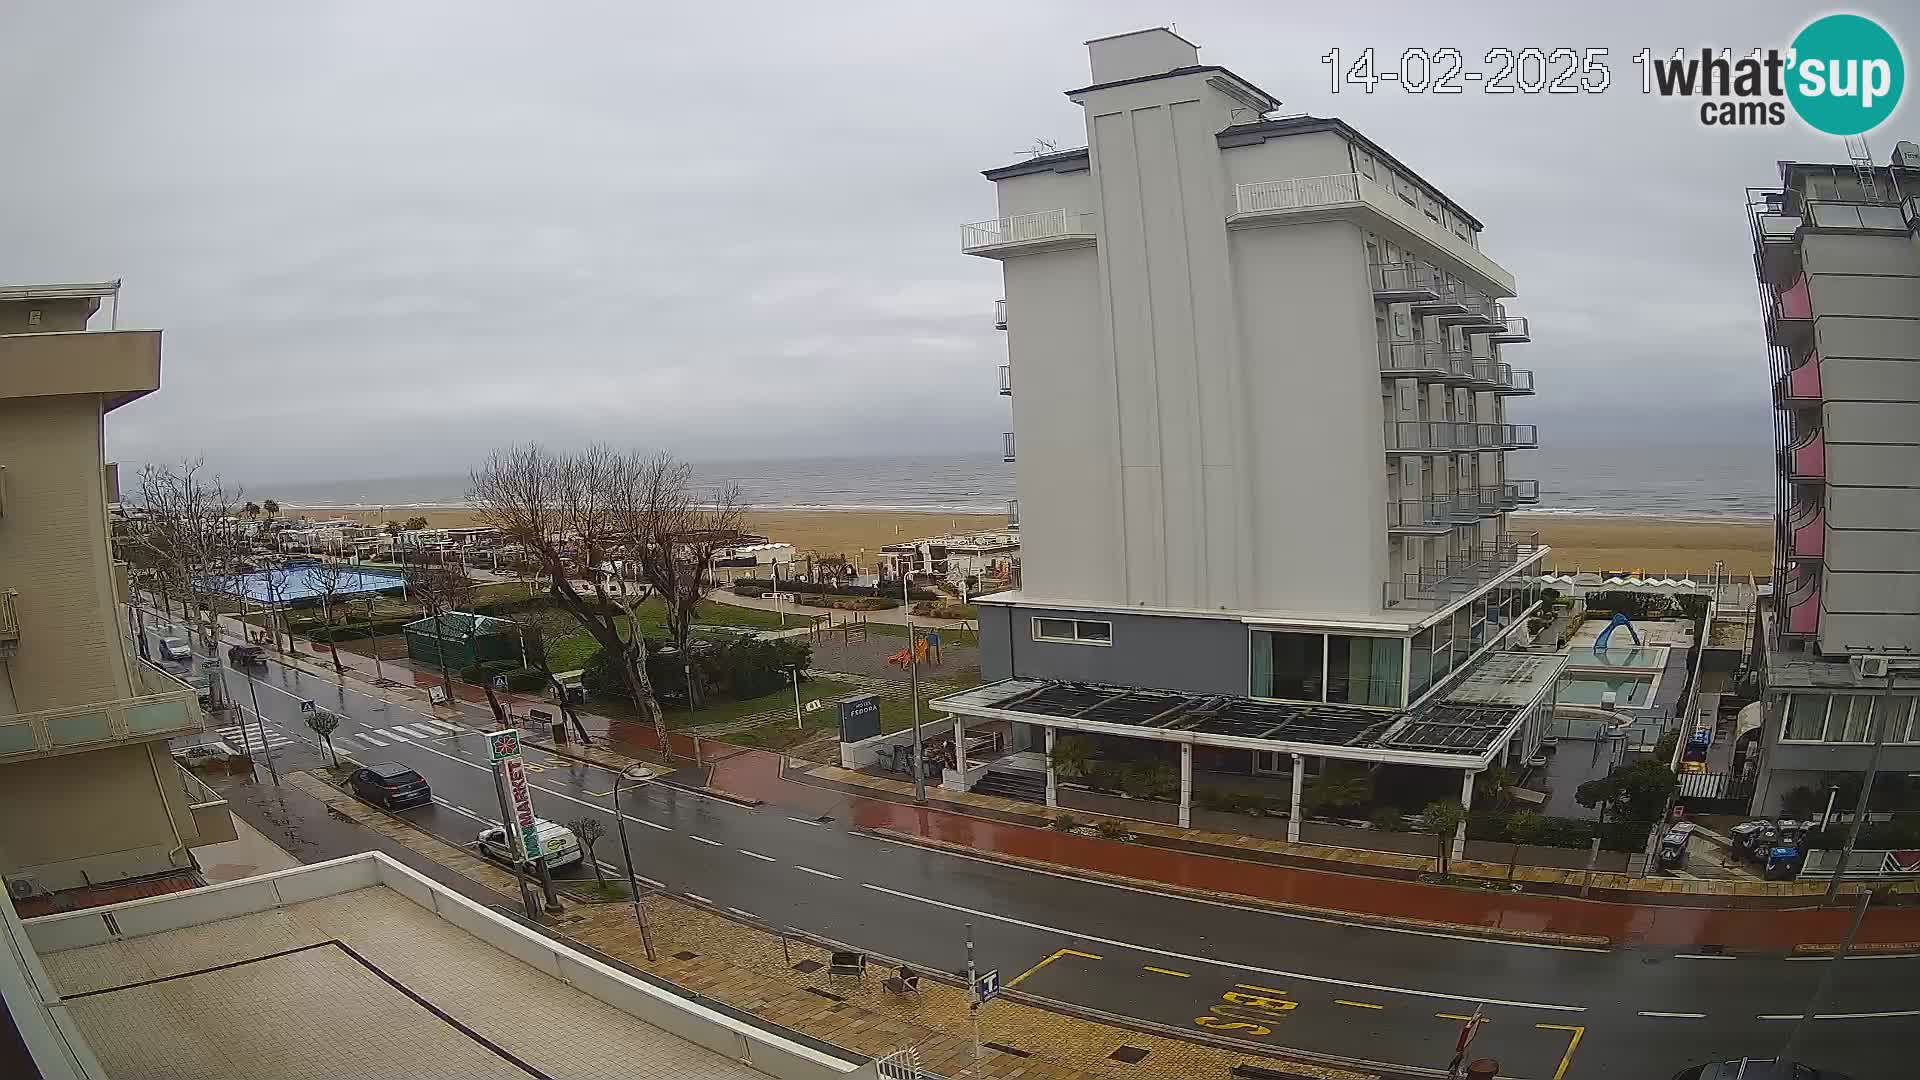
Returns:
<point x="89" y="795"/>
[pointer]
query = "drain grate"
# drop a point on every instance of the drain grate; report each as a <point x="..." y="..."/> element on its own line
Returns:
<point x="808" y="967"/>
<point x="1005" y="1049"/>
<point x="684" y="955"/>
<point x="1129" y="1055"/>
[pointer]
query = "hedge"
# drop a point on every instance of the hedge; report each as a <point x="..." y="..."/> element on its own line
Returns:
<point x="818" y="588"/>
<point x="846" y="603"/>
<point x="355" y="631"/>
<point x="735" y="667"/>
<point x="934" y="609"/>
<point x="1560" y="832"/>
<point x="519" y="679"/>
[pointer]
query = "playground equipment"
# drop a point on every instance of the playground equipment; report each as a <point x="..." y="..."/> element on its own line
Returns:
<point x="1619" y="620"/>
<point x="926" y="643"/>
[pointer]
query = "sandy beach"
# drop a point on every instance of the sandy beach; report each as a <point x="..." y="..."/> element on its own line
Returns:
<point x="1579" y="542"/>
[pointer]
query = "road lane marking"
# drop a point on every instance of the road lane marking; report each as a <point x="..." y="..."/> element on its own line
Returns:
<point x="745" y="914"/>
<point x="1842" y="1016"/>
<point x="1057" y="954"/>
<point x="1170" y="954"/>
<point x="756" y="855"/>
<point x="1276" y="913"/>
<point x="1357" y="1004"/>
<point x="1462" y="1019"/>
<point x="1861" y="956"/>
<point x="1572" y="1045"/>
<point x="697" y="896"/>
<point x="542" y="787"/>
<point x="704" y="840"/>
<point x="368" y="739"/>
<point x="816" y="873"/>
<point x="397" y="736"/>
<point x="1675" y="1015"/>
<point x="804" y="821"/>
<point x="1260" y="989"/>
<point x="1166" y="971"/>
<point x="648" y="824"/>
<point x="608" y="867"/>
<point x="1704" y="956"/>
<point x="1781" y="1016"/>
<point x="442" y="725"/>
<point x="598" y="794"/>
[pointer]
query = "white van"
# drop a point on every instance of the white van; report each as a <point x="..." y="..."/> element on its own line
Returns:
<point x="562" y="848"/>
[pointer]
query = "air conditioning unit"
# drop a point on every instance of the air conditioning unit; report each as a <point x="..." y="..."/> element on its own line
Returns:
<point x="1906" y="155"/>
<point x="1872" y="667"/>
<point x="22" y="887"/>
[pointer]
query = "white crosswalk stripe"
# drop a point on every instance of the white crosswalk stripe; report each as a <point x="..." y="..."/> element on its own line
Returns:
<point x="419" y="731"/>
<point x="368" y="739"/>
<point x="398" y="736"/>
<point x="248" y="739"/>
<point x="451" y="729"/>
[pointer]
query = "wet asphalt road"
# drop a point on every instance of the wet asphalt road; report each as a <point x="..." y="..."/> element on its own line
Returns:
<point x="1392" y="997"/>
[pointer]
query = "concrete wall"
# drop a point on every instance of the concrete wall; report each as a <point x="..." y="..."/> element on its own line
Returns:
<point x="1865" y="291"/>
<point x="1096" y="802"/>
<point x="16" y="316"/>
<point x="1192" y="654"/>
<point x="94" y="817"/>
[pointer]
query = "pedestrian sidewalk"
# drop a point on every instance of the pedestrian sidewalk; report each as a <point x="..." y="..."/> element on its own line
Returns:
<point x="782" y="977"/>
<point x="896" y="616"/>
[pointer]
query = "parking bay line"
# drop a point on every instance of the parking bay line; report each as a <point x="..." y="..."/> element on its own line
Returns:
<point x="815" y="873"/>
<point x="756" y="855"/>
<point x="1043" y="928"/>
<point x="1675" y="1015"/>
<point x="1057" y="954"/>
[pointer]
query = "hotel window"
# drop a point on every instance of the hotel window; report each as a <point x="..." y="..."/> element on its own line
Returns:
<point x="1423" y="665"/>
<point x="1075" y="631"/>
<point x="1806" y="716"/>
<point x="1364" y="670"/>
<point x="1289" y="666"/>
<point x="1366" y="163"/>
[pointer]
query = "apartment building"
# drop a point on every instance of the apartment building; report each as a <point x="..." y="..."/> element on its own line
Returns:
<point x="89" y="795"/>
<point x="1838" y="267"/>
<point x="1261" y="430"/>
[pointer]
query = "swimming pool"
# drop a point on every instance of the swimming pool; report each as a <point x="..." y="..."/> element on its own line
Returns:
<point x="300" y="584"/>
<point x="1585" y="688"/>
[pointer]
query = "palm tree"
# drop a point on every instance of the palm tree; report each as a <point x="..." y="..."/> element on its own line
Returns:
<point x="1443" y="820"/>
<point x="272" y="509"/>
<point x="251" y="510"/>
<point x="1072" y="756"/>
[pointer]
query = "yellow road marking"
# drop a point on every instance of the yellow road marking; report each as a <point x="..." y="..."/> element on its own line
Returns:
<point x="1463" y="1019"/>
<point x="1168" y="971"/>
<point x="1357" y="1004"/>
<point x="1262" y="989"/>
<point x="1572" y="1045"/>
<point x="598" y="794"/>
<point x="1057" y="954"/>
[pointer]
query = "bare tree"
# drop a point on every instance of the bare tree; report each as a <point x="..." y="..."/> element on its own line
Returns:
<point x="535" y="626"/>
<point x="439" y="590"/>
<point x="590" y="830"/>
<point x="190" y="536"/>
<point x="677" y="531"/>
<point x="328" y="577"/>
<point x="573" y="512"/>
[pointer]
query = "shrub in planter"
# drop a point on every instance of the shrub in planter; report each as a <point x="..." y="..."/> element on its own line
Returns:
<point x="1389" y="819"/>
<point x="1065" y="823"/>
<point x="934" y="609"/>
<point x="742" y="589"/>
<point x="1113" y="830"/>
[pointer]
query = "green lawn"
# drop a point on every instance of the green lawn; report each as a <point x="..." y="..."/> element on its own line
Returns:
<point x="896" y="713"/>
<point x="574" y="650"/>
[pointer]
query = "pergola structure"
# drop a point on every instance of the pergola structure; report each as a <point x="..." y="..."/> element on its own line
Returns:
<point x="1499" y="712"/>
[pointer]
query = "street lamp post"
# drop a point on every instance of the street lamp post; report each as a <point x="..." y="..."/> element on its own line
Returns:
<point x="259" y="722"/>
<point x="635" y="773"/>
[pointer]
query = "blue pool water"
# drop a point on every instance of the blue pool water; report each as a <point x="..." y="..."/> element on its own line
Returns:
<point x="300" y="584"/>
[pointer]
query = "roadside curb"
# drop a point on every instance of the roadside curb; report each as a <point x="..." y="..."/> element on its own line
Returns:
<point x="1393" y="922"/>
<point x="1890" y="947"/>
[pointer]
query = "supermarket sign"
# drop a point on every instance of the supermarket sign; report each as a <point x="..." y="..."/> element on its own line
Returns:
<point x="504" y="748"/>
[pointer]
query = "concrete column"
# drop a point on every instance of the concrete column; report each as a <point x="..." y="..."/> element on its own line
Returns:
<point x="1052" y="798"/>
<point x="1186" y="785"/>
<point x="1293" y="818"/>
<point x="1466" y="803"/>
<point x="960" y="749"/>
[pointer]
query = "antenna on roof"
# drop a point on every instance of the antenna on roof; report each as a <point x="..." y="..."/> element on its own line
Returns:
<point x="1042" y="147"/>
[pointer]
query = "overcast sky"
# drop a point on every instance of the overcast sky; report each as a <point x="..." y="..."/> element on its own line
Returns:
<point x="382" y="237"/>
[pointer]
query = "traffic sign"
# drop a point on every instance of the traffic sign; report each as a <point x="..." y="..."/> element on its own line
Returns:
<point x="307" y="706"/>
<point x="499" y="682"/>
<point x="814" y="705"/>
<point x="987" y="986"/>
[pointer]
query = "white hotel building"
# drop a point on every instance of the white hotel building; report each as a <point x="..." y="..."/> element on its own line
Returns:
<point x="1261" y="433"/>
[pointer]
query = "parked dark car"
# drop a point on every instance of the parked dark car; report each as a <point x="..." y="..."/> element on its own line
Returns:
<point x="390" y="784"/>
<point x="1742" y="838"/>
<point x="246" y="655"/>
<point x="1757" y="1069"/>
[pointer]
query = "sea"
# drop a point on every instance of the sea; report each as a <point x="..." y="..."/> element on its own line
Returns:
<point x="1639" y="480"/>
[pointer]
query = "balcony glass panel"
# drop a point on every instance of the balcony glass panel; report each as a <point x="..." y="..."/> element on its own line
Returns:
<point x="157" y="716"/>
<point x="16" y="738"/>
<point x="78" y="729"/>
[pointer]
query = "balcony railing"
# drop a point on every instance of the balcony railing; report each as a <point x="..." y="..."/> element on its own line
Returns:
<point x="1807" y="532"/>
<point x="1513" y="380"/>
<point x="999" y="314"/>
<point x="1446" y="436"/>
<point x="1800" y="386"/>
<point x="1013" y="514"/>
<point x="1449" y="579"/>
<point x="1431" y="516"/>
<point x="1516" y="493"/>
<point x="9" y="625"/>
<point x="1007" y="438"/>
<point x="1339" y="190"/>
<point x="1426" y="360"/>
<point x="1514" y="331"/>
<point x="1040" y="228"/>
<point x="1404" y="281"/>
<point x="1006" y="379"/>
<point x="1448" y="301"/>
<point x="212" y="823"/>
<point x="168" y="708"/>
<point x="1807" y="460"/>
<point x="1477" y="313"/>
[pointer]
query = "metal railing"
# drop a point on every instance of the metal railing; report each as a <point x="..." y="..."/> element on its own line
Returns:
<point x="1025" y="228"/>
<point x="1431" y="514"/>
<point x="1007" y="439"/>
<point x="9" y="621"/>
<point x="1516" y="493"/>
<point x="1515" y="329"/>
<point x="1298" y="193"/>
<point x="1013" y="513"/>
<point x="1006" y="378"/>
<point x="1448" y="579"/>
<point x="1422" y="359"/>
<point x="1514" y="380"/>
<point x="196" y="792"/>
<point x="1443" y="436"/>
<point x="1404" y="278"/>
<point x="999" y="314"/>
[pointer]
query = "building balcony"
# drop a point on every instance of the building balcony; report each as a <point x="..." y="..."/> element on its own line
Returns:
<point x="1450" y="579"/>
<point x="1775" y="236"/>
<point x="1449" y="301"/>
<point x="1513" y="494"/>
<point x="1464" y="508"/>
<point x="1018" y="234"/>
<point x="1451" y="436"/>
<point x="1420" y="437"/>
<point x="1807" y="531"/>
<point x="1431" y="516"/>
<point x="1802" y="603"/>
<point x="212" y="824"/>
<point x="1512" y="332"/>
<point x="1428" y="361"/>
<point x="1356" y="195"/>
<point x="1513" y="381"/>
<point x="1790" y="315"/>
<point x="119" y="365"/>
<point x="1807" y="459"/>
<point x="9" y="626"/>
<point x="1502" y="437"/>
<point x="1007" y="440"/>
<point x="165" y="708"/>
<point x="1800" y="387"/>
<point x="1480" y="313"/>
<point x="1403" y="282"/>
<point x="1006" y="379"/>
<point x="999" y="314"/>
<point x="1013" y="515"/>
